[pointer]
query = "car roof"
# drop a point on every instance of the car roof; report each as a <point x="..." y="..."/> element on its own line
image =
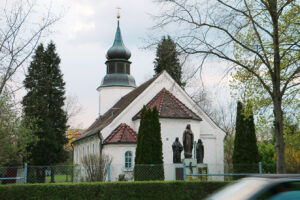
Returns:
<point x="277" y="176"/>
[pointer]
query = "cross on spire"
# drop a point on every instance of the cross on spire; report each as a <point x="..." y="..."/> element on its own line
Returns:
<point x="118" y="12"/>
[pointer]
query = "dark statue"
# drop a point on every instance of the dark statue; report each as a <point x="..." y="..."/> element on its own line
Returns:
<point x="200" y="151"/>
<point x="188" y="142"/>
<point x="177" y="149"/>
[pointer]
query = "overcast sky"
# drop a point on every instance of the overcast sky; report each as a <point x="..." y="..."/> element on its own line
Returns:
<point x="85" y="33"/>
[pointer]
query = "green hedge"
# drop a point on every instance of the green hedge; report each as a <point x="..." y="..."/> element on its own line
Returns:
<point x="118" y="190"/>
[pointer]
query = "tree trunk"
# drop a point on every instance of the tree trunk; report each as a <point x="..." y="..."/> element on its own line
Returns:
<point x="278" y="125"/>
<point x="277" y="96"/>
<point x="52" y="175"/>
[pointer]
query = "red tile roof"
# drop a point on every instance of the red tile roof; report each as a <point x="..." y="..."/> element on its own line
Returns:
<point x="114" y="111"/>
<point x="122" y="134"/>
<point x="169" y="107"/>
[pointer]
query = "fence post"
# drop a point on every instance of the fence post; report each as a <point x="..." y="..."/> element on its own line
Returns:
<point x="260" y="167"/>
<point x="184" y="171"/>
<point x="25" y="173"/>
<point x="108" y="172"/>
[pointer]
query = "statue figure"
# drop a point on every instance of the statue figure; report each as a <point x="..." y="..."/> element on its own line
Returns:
<point x="177" y="149"/>
<point x="199" y="151"/>
<point x="188" y="141"/>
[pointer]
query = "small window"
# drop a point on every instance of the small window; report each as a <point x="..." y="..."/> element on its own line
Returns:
<point x="93" y="149"/>
<point x="111" y="68"/>
<point x="127" y="68"/>
<point x="120" y="68"/>
<point x="128" y="159"/>
<point x="88" y="150"/>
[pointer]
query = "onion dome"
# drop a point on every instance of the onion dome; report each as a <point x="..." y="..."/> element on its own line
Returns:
<point x="118" y="49"/>
<point x="118" y="64"/>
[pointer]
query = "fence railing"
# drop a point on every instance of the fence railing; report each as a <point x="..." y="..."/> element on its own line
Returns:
<point x="118" y="172"/>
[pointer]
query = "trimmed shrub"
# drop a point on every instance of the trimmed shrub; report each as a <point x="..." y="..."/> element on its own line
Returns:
<point x="118" y="190"/>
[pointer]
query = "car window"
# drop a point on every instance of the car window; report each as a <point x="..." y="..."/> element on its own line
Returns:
<point x="293" y="195"/>
<point x="280" y="190"/>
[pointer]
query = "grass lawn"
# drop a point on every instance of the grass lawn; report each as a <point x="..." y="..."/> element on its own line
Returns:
<point x="59" y="178"/>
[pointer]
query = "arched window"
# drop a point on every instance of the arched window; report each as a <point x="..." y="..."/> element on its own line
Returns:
<point x="128" y="159"/>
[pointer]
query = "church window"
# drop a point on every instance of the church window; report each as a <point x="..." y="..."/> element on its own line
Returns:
<point x="93" y="149"/>
<point x="128" y="159"/>
<point x="120" y="68"/>
<point x="127" y="69"/>
<point x="111" y="68"/>
<point x="88" y="150"/>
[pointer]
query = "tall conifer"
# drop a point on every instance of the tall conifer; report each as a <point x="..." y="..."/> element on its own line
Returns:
<point x="245" y="154"/>
<point x="43" y="104"/>
<point x="149" y="158"/>
<point x="167" y="58"/>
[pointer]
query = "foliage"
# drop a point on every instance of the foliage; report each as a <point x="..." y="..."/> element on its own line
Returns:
<point x="245" y="146"/>
<point x="167" y="59"/>
<point x="228" y="149"/>
<point x="267" y="154"/>
<point x="44" y="102"/>
<point x="96" y="167"/>
<point x="117" y="190"/>
<point x="260" y="39"/>
<point x="14" y="137"/>
<point x="292" y="149"/>
<point x="149" y="157"/>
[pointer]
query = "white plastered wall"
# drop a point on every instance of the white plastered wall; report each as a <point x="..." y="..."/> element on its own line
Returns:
<point x="117" y="153"/>
<point x="108" y="96"/>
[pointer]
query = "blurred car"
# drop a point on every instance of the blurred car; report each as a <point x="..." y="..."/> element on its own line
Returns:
<point x="258" y="187"/>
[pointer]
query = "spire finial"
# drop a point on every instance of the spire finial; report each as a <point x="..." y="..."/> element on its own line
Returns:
<point x="118" y="14"/>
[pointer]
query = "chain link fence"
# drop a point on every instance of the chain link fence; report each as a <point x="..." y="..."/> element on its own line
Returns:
<point x="118" y="172"/>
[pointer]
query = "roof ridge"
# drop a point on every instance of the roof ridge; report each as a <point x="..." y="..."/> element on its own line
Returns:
<point x="162" y="99"/>
<point x="123" y="128"/>
<point x="182" y="105"/>
<point x="112" y="133"/>
<point x="120" y="132"/>
<point x="131" y="131"/>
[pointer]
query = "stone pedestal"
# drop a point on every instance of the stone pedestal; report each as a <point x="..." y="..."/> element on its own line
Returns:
<point x="191" y="167"/>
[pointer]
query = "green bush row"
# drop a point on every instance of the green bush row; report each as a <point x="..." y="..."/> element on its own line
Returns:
<point x="118" y="190"/>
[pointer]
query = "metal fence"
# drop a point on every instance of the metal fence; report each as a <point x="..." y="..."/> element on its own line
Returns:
<point x="118" y="172"/>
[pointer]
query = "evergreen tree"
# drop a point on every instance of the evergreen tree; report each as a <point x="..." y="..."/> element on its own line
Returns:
<point x="149" y="158"/>
<point x="157" y="155"/>
<point x="245" y="154"/>
<point x="167" y="59"/>
<point x="138" y="152"/>
<point x="43" y="103"/>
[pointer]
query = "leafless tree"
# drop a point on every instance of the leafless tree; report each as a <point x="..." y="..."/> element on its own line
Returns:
<point x="96" y="167"/>
<point x="72" y="107"/>
<point x="260" y="37"/>
<point x="21" y="28"/>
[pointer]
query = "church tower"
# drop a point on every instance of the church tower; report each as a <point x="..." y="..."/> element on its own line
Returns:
<point x="117" y="82"/>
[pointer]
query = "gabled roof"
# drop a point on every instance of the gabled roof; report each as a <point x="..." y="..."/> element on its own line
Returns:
<point x="114" y="111"/>
<point x="122" y="134"/>
<point x="169" y="107"/>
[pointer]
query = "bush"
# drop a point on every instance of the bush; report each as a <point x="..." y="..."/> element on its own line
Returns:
<point x="96" y="167"/>
<point x="117" y="190"/>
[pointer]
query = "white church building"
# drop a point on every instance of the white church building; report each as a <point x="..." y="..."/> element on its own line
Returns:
<point x="114" y="132"/>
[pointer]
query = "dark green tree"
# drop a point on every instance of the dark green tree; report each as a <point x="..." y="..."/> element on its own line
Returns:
<point x="245" y="154"/>
<point x="44" y="103"/>
<point x="167" y="59"/>
<point x="157" y="155"/>
<point x="149" y="158"/>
